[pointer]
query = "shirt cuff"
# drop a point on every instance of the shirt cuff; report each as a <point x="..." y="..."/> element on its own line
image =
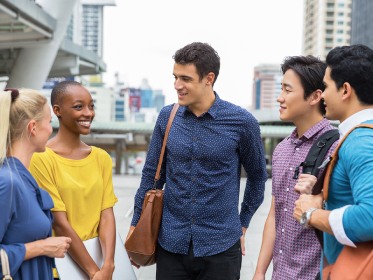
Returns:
<point x="336" y="223"/>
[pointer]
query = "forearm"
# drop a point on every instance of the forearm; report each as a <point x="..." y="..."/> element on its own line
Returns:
<point x="268" y="242"/>
<point x="320" y="220"/>
<point x="34" y="249"/>
<point x="77" y="249"/>
<point x="107" y="235"/>
<point x="266" y="253"/>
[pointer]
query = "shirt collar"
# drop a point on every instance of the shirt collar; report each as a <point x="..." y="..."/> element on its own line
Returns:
<point x="311" y="132"/>
<point x="354" y="120"/>
<point x="213" y="111"/>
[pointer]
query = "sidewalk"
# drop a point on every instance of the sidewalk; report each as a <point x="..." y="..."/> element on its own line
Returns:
<point x="125" y="188"/>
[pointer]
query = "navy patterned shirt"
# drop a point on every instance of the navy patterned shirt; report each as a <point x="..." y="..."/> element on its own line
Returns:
<point x="201" y="173"/>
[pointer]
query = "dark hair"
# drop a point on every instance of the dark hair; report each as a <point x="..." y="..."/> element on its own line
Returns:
<point x="202" y="55"/>
<point x="60" y="89"/>
<point x="310" y="70"/>
<point x="354" y="65"/>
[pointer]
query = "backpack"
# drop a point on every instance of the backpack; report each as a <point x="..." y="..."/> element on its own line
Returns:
<point x="314" y="160"/>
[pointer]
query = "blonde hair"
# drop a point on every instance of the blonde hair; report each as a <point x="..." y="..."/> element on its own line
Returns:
<point x="17" y="108"/>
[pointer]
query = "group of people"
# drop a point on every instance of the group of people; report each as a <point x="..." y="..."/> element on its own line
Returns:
<point x="58" y="184"/>
<point x="65" y="185"/>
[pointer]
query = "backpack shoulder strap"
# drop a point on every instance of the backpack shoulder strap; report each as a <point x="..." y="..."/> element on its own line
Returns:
<point x="334" y="159"/>
<point x="319" y="149"/>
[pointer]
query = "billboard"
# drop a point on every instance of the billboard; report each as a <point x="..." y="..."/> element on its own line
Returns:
<point x="134" y="100"/>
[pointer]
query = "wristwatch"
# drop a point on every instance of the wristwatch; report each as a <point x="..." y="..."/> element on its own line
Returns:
<point x="305" y="218"/>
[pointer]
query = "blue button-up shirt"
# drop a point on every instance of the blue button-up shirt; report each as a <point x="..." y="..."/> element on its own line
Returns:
<point x="202" y="175"/>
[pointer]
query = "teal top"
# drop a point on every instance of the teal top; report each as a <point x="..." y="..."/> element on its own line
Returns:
<point x="352" y="184"/>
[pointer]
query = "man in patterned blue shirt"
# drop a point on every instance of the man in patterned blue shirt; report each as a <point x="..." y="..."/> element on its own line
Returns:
<point x="202" y="231"/>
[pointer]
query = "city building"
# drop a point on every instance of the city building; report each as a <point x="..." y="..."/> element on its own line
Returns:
<point x="138" y="104"/>
<point x="327" y="24"/>
<point x="266" y="86"/>
<point x="362" y="22"/>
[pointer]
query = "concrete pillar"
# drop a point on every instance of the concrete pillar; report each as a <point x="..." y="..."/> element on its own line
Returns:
<point x="33" y="64"/>
<point x="126" y="163"/>
<point x="119" y="145"/>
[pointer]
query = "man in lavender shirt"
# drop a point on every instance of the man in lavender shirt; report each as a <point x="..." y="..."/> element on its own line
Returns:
<point x="294" y="250"/>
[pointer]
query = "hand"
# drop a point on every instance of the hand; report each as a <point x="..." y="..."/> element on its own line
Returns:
<point x="305" y="202"/>
<point x="55" y="247"/>
<point x="105" y="273"/>
<point x="132" y="228"/>
<point x="259" y="276"/>
<point x="305" y="183"/>
<point x="242" y="239"/>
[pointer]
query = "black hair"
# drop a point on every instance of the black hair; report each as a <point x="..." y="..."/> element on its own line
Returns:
<point x="202" y="55"/>
<point x="354" y="65"/>
<point x="60" y="89"/>
<point x="311" y="71"/>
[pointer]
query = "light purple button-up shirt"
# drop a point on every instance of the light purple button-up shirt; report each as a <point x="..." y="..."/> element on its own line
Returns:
<point x="297" y="252"/>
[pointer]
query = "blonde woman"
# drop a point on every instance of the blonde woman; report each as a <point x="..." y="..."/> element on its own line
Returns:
<point x="25" y="216"/>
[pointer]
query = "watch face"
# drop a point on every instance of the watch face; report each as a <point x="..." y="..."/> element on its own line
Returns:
<point x="303" y="219"/>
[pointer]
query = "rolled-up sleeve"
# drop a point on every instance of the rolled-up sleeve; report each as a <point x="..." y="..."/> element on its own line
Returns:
<point x="358" y="163"/>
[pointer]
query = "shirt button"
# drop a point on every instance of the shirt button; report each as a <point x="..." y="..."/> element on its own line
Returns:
<point x="285" y="209"/>
<point x="287" y="189"/>
<point x="283" y="230"/>
<point x="280" y="251"/>
<point x="297" y="149"/>
<point x="291" y="168"/>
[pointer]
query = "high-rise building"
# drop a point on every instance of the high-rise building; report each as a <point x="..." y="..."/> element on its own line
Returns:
<point x="266" y="86"/>
<point x="327" y="24"/>
<point x="362" y="22"/>
<point x="159" y="100"/>
<point x="92" y="24"/>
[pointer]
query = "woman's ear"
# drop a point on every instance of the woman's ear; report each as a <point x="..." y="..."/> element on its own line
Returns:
<point x="57" y="111"/>
<point x="31" y="127"/>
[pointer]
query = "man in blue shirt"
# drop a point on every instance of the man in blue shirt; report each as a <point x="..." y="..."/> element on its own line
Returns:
<point x="202" y="231"/>
<point x="348" y="97"/>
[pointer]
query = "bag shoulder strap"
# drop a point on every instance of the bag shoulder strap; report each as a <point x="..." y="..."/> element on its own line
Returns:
<point x="334" y="159"/>
<point x="170" y="120"/>
<point x="5" y="265"/>
<point x="318" y="151"/>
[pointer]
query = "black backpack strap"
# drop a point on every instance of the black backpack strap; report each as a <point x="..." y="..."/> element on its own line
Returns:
<point x="318" y="151"/>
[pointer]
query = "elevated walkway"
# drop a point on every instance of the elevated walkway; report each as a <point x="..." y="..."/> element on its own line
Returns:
<point x="30" y="33"/>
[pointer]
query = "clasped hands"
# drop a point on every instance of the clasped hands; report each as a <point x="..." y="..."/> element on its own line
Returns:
<point x="306" y="200"/>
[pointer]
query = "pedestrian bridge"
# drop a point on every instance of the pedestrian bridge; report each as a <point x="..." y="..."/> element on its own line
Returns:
<point x="123" y="138"/>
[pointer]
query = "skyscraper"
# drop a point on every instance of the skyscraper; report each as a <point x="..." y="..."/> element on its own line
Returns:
<point x="327" y="24"/>
<point x="92" y="24"/>
<point x="362" y="22"/>
<point x="266" y="86"/>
